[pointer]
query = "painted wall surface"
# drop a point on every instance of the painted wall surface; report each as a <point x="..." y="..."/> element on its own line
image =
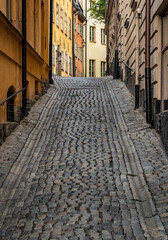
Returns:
<point x="130" y="27"/>
<point x="11" y="50"/>
<point x="95" y="50"/>
<point x="61" y="38"/>
<point x="78" y="45"/>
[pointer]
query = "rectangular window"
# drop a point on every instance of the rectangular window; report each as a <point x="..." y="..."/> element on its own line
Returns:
<point x="91" y="68"/>
<point x="81" y="53"/>
<point x="62" y="19"/>
<point x="66" y="63"/>
<point x="54" y="55"/>
<point x="70" y="63"/>
<point x="81" y="30"/>
<point x="75" y="24"/>
<point x="52" y="13"/>
<point x="92" y="34"/>
<point x="75" y="50"/>
<point x="78" y="52"/>
<point x="8" y="9"/>
<point x="69" y="28"/>
<point x="78" y="27"/>
<point x="62" y="61"/>
<point x="103" y="37"/>
<point x="103" y="69"/>
<point x="65" y="24"/>
<point x="57" y="13"/>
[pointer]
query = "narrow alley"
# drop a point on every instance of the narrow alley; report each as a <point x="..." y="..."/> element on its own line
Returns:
<point x="84" y="165"/>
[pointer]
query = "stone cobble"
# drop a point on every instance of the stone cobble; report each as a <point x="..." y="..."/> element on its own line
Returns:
<point x="83" y="165"/>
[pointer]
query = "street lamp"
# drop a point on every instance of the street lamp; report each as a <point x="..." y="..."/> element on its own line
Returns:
<point x="97" y="8"/>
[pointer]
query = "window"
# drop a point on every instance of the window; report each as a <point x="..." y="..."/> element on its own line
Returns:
<point x="54" y="55"/>
<point x="8" y="9"/>
<point x="81" y="53"/>
<point x="78" y="27"/>
<point x="75" y="24"/>
<point x="91" y="68"/>
<point x="57" y="13"/>
<point x="70" y="63"/>
<point x="62" y="61"/>
<point x="75" y="50"/>
<point x="92" y="34"/>
<point x="81" y="30"/>
<point x="61" y="19"/>
<point x="103" y="37"/>
<point x="103" y="69"/>
<point x="65" y="24"/>
<point x="78" y="52"/>
<point x="66" y="63"/>
<point x="70" y="28"/>
<point x="53" y="15"/>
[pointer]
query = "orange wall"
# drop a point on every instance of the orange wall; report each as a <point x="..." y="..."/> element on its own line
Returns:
<point x="11" y="50"/>
<point x="78" y="41"/>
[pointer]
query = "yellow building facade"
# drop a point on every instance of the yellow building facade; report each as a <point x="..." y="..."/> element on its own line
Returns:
<point x="62" y="38"/>
<point x="11" y="54"/>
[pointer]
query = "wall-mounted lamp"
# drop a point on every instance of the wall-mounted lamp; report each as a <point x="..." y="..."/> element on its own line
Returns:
<point x="97" y="8"/>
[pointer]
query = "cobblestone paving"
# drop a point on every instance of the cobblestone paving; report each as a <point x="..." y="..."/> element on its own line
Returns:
<point x="83" y="165"/>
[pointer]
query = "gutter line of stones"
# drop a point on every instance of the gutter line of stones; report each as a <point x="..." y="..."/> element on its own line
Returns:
<point x="149" y="219"/>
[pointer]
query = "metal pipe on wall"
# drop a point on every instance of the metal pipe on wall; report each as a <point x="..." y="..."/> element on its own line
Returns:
<point x="116" y="63"/>
<point x="86" y="39"/>
<point x="24" y="59"/>
<point x="50" y="46"/>
<point x="147" y="66"/>
<point x="137" y="17"/>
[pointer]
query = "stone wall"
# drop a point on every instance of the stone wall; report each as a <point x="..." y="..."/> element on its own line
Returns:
<point x="5" y="130"/>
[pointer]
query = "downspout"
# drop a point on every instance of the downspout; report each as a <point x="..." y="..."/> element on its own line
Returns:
<point x="50" y="47"/>
<point x="137" y="47"/>
<point x="86" y="39"/>
<point x="107" y="49"/>
<point x="116" y="63"/>
<point x="147" y="67"/>
<point x="73" y="42"/>
<point x="24" y="56"/>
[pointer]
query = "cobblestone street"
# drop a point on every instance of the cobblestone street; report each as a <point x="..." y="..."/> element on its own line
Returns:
<point x="83" y="165"/>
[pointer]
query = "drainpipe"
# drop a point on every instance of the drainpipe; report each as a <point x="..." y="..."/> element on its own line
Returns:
<point x="50" y="47"/>
<point x="24" y="56"/>
<point x="137" y="87"/>
<point x="147" y="67"/>
<point x="107" y="49"/>
<point x="73" y="42"/>
<point x="116" y="44"/>
<point x="86" y="39"/>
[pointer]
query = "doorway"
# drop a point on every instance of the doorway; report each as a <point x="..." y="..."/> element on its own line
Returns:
<point x="10" y="105"/>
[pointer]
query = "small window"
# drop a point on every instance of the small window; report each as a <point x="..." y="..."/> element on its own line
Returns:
<point x="103" y="37"/>
<point x="69" y="28"/>
<point x="92" y="34"/>
<point x="103" y="69"/>
<point x="91" y="68"/>
<point x="57" y="14"/>
<point x="65" y="24"/>
<point x="62" y="19"/>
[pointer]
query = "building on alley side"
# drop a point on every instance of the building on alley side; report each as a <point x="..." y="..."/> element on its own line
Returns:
<point x="137" y="52"/>
<point x="95" y="57"/>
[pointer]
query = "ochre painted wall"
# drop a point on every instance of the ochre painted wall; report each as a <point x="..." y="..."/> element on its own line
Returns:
<point x="59" y="37"/>
<point x="11" y="50"/>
